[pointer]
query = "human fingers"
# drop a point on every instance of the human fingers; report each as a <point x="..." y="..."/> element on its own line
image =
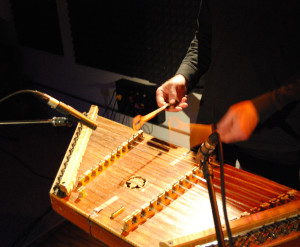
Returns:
<point x="238" y="123"/>
<point x="173" y="92"/>
<point x="178" y="106"/>
<point x="161" y="96"/>
<point x="167" y="93"/>
<point x="224" y="127"/>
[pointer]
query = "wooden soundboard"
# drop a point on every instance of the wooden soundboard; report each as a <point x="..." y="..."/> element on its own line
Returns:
<point x="127" y="188"/>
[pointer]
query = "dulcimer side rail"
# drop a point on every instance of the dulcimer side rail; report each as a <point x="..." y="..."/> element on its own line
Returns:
<point x="238" y="227"/>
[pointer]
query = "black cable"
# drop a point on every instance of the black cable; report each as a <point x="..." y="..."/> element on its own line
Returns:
<point x="24" y="235"/>
<point x="221" y="160"/>
<point x="146" y="128"/>
<point x="91" y="102"/>
<point x="35" y="92"/>
<point x="123" y="119"/>
<point x="126" y="109"/>
<point x="18" y="92"/>
<point x="107" y="106"/>
<point x="113" y="111"/>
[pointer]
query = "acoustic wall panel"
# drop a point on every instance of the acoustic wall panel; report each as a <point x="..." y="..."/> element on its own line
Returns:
<point x="144" y="39"/>
<point x="37" y="24"/>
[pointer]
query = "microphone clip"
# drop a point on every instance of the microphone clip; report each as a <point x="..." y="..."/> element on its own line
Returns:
<point x="206" y="149"/>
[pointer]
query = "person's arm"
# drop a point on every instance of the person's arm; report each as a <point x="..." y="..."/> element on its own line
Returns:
<point x="195" y="63"/>
<point x="197" y="59"/>
<point x="241" y="119"/>
<point x="273" y="101"/>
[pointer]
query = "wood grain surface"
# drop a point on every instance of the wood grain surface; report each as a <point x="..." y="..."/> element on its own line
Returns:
<point x="169" y="197"/>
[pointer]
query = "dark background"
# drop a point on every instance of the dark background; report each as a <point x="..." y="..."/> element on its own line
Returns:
<point x="143" y="39"/>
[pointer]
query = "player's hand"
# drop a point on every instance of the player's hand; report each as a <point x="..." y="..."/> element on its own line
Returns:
<point x="173" y="92"/>
<point x="238" y="123"/>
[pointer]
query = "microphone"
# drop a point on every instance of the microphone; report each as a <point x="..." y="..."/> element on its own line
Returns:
<point x="67" y="110"/>
<point x="207" y="147"/>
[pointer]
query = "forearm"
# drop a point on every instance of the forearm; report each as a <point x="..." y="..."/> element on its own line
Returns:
<point x="273" y="101"/>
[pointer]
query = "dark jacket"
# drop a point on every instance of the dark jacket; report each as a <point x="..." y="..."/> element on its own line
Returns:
<point x="244" y="50"/>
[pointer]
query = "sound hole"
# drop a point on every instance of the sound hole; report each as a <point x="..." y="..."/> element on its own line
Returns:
<point x="135" y="182"/>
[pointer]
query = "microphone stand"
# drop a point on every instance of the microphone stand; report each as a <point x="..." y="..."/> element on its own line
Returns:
<point x="208" y="175"/>
<point x="55" y="121"/>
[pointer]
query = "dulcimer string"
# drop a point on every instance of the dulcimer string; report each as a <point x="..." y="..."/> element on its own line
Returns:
<point x="246" y="191"/>
<point x="140" y="156"/>
<point x="175" y="156"/>
<point x="151" y="147"/>
<point x="160" y="151"/>
<point x="116" y="131"/>
<point x="244" y="188"/>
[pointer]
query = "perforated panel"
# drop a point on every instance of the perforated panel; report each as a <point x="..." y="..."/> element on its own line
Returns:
<point x="145" y="39"/>
<point x="37" y="24"/>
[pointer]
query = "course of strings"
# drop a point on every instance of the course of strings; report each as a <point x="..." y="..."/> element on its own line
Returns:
<point x="135" y="179"/>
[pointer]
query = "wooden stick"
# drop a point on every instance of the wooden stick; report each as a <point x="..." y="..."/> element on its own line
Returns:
<point x="139" y="120"/>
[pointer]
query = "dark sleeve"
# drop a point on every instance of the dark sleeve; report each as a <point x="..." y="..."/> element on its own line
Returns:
<point x="197" y="59"/>
<point x="273" y="101"/>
